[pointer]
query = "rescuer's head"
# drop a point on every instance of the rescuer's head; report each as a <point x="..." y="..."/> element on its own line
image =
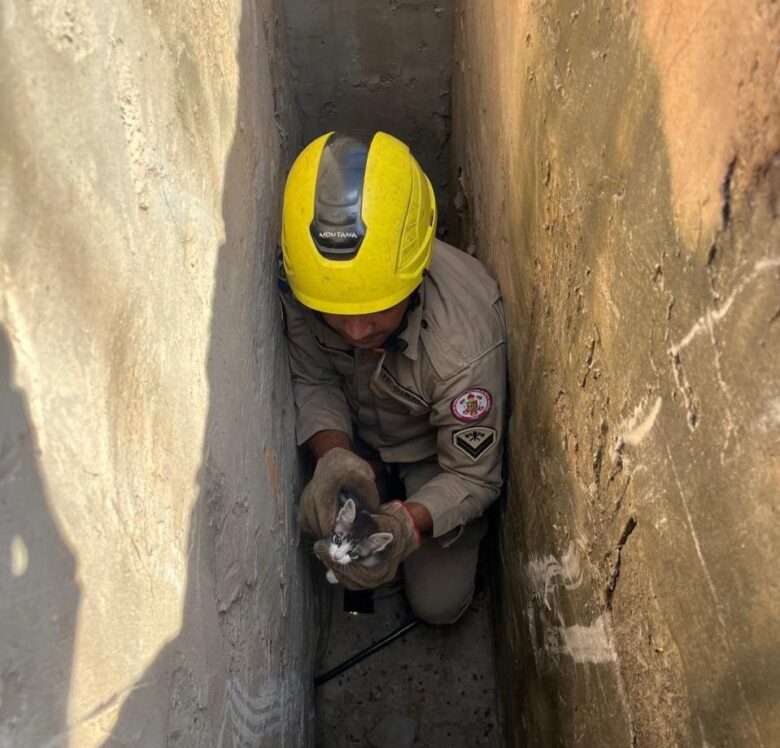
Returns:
<point x="358" y="224"/>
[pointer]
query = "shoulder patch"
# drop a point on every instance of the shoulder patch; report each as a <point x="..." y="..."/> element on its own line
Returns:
<point x="472" y="404"/>
<point x="474" y="441"/>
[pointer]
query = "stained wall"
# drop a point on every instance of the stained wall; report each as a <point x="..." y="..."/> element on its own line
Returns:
<point x="366" y="65"/>
<point x="619" y="169"/>
<point x="151" y="587"/>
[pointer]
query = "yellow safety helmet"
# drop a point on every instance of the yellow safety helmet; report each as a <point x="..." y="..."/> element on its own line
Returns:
<point x="358" y="224"/>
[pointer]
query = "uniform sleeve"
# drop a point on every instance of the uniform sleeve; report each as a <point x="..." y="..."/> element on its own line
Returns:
<point x="470" y="435"/>
<point x="319" y="399"/>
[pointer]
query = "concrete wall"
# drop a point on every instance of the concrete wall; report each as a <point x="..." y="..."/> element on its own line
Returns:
<point x="150" y="585"/>
<point x="620" y="165"/>
<point x="376" y="65"/>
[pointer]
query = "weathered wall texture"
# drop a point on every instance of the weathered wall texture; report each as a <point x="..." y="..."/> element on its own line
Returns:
<point x="376" y="65"/>
<point x="150" y="585"/>
<point x="620" y="164"/>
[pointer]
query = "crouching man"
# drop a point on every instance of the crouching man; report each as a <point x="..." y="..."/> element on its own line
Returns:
<point x="397" y="344"/>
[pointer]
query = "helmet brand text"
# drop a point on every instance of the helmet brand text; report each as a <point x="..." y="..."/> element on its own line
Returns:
<point x="336" y="235"/>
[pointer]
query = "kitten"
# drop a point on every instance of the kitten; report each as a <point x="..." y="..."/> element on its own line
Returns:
<point x="355" y="537"/>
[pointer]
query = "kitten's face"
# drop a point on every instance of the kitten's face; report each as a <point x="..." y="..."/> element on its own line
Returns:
<point x="343" y="548"/>
<point x="347" y="545"/>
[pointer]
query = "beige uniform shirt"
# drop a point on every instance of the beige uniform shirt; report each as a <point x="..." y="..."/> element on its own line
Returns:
<point x="441" y="394"/>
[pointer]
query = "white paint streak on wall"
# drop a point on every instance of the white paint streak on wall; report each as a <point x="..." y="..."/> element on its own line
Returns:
<point x="587" y="644"/>
<point x="584" y="644"/>
<point x="634" y="431"/>
<point x="768" y="263"/>
<point x="711" y="316"/>
<point x="545" y="572"/>
<point x="706" y="323"/>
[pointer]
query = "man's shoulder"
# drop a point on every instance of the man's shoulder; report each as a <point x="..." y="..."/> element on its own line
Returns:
<point x="462" y="311"/>
<point x="454" y="271"/>
<point x="449" y="259"/>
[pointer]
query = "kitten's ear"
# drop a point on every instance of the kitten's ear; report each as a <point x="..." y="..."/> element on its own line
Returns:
<point x="378" y="541"/>
<point x="347" y="512"/>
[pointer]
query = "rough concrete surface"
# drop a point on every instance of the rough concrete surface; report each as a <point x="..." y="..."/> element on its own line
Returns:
<point x="433" y="688"/>
<point x="376" y="65"/>
<point x="151" y="590"/>
<point x="620" y="171"/>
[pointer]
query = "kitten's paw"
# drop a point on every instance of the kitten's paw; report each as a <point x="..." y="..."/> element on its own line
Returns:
<point x="331" y="577"/>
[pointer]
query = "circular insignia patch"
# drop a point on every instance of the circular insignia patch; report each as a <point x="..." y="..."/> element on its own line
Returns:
<point x="471" y="405"/>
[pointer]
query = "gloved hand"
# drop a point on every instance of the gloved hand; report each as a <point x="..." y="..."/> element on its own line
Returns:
<point x="337" y="469"/>
<point x="393" y="518"/>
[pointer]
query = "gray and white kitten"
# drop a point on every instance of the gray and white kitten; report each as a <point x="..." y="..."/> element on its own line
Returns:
<point x="355" y="537"/>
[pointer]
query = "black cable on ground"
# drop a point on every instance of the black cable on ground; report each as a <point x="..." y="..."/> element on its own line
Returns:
<point x="360" y="656"/>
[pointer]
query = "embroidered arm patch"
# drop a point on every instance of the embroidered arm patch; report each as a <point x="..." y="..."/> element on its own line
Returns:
<point x="474" y="441"/>
<point x="471" y="405"/>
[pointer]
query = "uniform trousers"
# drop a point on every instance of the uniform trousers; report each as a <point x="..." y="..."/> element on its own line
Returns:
<point x="439" y="576"/>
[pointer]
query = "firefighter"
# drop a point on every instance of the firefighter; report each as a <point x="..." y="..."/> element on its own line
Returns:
<point x="397" y="349"/>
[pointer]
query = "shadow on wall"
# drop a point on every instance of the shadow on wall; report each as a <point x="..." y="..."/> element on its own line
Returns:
<point x="229" y="678"/>
<point x="39" y="595"/>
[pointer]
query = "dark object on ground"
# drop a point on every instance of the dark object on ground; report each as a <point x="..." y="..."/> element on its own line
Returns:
<point x="360" y="656"/>
<point x="358" y="602"/>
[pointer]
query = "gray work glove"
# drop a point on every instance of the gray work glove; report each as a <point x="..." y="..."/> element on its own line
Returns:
<point x="337" y="469"/>
<point x="393" y="518"/>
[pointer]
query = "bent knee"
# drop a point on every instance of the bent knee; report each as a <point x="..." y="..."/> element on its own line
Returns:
<point x="439" y="610"/>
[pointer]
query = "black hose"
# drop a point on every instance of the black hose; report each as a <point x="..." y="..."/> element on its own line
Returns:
<point x="360" y="656"/>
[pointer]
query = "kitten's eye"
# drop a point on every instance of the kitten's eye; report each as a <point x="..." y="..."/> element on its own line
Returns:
<point x="353" y="555"/>
<point x="338" y="538"/>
